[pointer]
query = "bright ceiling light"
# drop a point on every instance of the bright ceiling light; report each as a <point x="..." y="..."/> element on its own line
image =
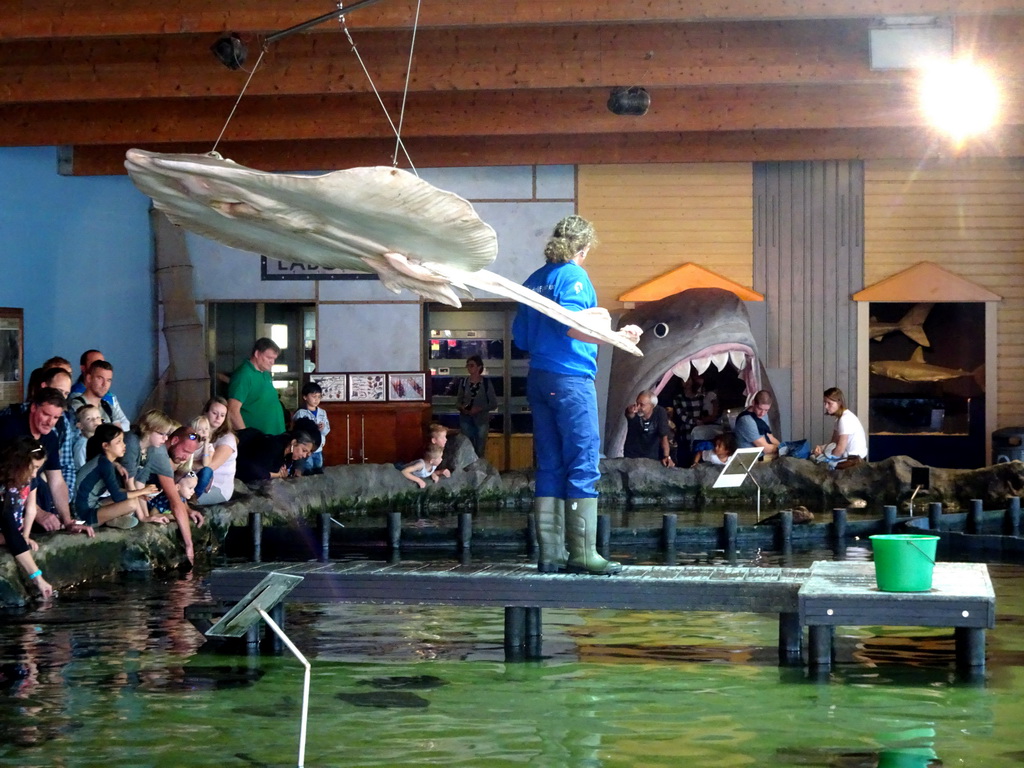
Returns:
<point x="959" y="98"/>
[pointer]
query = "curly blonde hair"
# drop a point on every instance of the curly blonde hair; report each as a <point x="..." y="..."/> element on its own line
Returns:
<point x="572" y="235"/>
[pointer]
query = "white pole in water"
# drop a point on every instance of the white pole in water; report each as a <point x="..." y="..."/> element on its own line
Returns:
<point x="758" y="495"/>
<point x="305" y="682"/>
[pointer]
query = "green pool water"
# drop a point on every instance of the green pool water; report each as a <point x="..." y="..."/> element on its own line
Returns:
<point x="115" y="676"/>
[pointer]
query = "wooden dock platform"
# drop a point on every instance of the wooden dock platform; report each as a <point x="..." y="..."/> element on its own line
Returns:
<point x="820" y="597"/>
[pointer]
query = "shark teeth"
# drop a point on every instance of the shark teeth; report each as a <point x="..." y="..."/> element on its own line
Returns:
<point x="738" y="359"/>
<point x="720" y="360"/>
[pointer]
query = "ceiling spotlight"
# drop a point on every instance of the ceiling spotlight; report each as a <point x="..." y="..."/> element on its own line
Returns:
<point x="629" y="101"/>
<point x="230" y="51"/>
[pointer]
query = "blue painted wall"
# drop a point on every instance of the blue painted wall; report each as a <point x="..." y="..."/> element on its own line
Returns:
<point x="77" y="256"/>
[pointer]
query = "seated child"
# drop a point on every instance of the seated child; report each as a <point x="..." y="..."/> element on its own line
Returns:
<point x="311" y="394"/>
<point x="186" y="485"/>
<point x="721" y="449"/>
<point x="20" y="463"/>
<point x="88" y="418"/>
<point x="199" y="461"/>
<point x="100" y="499"/>
<point x="419" y="470"/>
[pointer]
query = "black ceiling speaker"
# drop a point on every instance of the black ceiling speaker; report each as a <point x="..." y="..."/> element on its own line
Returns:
<point x="629" y="101"/>
<point x="230" y="51"/>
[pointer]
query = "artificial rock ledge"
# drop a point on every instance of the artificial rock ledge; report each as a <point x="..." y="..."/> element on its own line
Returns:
<point x="351" y="490"/>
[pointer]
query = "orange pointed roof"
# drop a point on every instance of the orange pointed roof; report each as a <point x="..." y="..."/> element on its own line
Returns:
<point x="680" y="279"/>
<point x="925" y="281"/>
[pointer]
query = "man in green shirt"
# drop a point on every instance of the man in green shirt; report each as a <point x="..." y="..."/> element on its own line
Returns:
<point x="252" y="399"/>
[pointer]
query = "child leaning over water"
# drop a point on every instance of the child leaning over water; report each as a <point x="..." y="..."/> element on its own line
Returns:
<point x="419" y="470"/>
<point x="100" y="498"/>
<point x="20" y="463"/>
<point x="186" y="485"/>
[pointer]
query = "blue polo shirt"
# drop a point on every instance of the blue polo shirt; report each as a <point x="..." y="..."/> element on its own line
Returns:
<point x="547" y="340"/>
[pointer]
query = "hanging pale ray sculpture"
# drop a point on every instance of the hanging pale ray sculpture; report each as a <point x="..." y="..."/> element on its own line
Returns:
<point x="382" y="220"/>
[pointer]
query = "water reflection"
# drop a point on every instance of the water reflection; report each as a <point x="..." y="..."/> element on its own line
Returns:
<point x="117" y="675"/>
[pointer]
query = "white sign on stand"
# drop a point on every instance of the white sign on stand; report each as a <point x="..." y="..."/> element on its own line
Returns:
<point x="737" y="469"/>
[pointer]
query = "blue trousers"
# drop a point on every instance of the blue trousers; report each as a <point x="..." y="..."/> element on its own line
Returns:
<point x="566" y="437"/>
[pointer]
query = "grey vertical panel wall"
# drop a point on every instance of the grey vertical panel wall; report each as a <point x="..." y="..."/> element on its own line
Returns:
<point x="808" y="260"/>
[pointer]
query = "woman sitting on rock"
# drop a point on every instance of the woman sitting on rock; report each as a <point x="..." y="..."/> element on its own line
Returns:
<point x="224" y="460"/>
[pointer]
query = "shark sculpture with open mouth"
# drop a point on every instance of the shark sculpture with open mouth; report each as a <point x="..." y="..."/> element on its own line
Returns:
<point x="382" y="220"/>
<point x="692" y="329"/>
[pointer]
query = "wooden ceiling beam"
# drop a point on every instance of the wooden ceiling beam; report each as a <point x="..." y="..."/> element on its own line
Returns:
<point x="506" y="113"/>
<point x="587" y="149"/>
<point x="515" y="57"/>
<point x="37" y="19"/>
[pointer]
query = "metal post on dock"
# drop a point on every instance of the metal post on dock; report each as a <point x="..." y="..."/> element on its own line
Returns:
<point x="974" y="514"/>
<point x="668" y="530"/>
<point x="839" y="525"/>
<point x="888" y="518"/>
<point x="465" y="531"/>
<point x="730" y="526"/>
<point x="784" y="531"/>
<point x="791" y="638"/>
<point x="934" y="515"/>
<point x="325" y="537"/>
<point x="534" y="633"/>
<point x="819" y="641"/>
<point x="271" y="641"/>
<point x="604" y="535"/>
<point x="394" y="530"/>
<point x="256" y="531"/>
<point x="970" y="647"/>
<point x="1011" y="520"/>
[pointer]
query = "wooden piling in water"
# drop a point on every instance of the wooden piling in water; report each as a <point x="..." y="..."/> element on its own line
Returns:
<point x="256" y="533"/>
<point x="1011" y="520"/>
<point x="888" y="518"/>
<point x="395" y="530"/>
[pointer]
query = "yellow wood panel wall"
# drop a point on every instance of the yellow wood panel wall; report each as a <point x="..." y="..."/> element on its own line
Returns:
<point x="968" y="217"/>
<point x="653" y="218"/>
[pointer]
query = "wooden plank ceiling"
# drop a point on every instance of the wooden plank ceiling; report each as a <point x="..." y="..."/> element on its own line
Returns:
<point x="491" y="83"/>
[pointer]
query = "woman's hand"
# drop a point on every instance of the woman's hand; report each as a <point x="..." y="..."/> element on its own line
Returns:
<point x="32" y="544"/>
<point x="45" y="590"/>
<point x="632" y="332"/>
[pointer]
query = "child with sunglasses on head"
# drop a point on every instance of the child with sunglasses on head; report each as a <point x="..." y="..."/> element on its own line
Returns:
<point x="186" y="487"/>
<point x="19" y="475"/>
<point x="100" y="499"/>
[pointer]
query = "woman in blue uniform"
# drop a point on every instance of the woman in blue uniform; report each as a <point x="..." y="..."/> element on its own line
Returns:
<point x="560" y="389"/>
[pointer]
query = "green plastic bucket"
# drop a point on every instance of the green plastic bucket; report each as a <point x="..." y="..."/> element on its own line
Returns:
<point x="904" y="561"/>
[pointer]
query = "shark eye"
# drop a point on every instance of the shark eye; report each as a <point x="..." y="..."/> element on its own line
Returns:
<point x="661" y="330"/>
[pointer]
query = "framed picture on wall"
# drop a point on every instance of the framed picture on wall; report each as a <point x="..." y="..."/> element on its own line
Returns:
<point x="12" y="355"/>
<point x="407" y="387"/>
<point x="367" y="387"/>
<point x="334" y="385"/>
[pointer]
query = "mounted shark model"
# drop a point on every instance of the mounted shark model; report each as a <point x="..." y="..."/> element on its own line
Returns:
<point x="916" y="369"/>
<point x="910" y="325"/>
<point x="381" y="220"/>
<point x="696" y="328"/>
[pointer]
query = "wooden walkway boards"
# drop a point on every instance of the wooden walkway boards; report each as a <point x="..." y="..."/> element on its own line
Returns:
<point x="638" y="587"/>
<point x="844" y="594"/>
<point x="826" y="595"/>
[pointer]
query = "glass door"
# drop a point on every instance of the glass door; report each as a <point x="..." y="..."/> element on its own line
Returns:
<point x="484" y="329"/>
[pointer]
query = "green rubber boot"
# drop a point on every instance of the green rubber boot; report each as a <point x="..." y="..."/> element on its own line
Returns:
<point x="550" y="514"/>
<point x="581" y="533"/>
